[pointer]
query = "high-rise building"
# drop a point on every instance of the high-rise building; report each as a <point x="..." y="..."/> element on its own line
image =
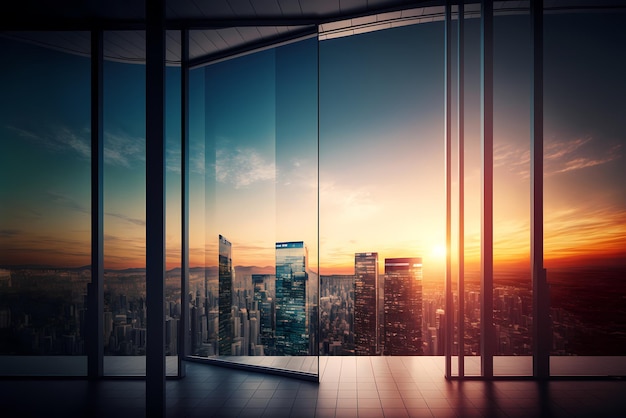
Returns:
<point x="292" y="330"/>
<point x="264" y="297"/>
<point x="225" y="329"/>
<point x="336" y="319"/>
<point x="403" y="306"/>
<point x="366" y="337"/>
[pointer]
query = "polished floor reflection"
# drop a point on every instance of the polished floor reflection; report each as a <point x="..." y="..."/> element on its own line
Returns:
<point x="349" y="387"/>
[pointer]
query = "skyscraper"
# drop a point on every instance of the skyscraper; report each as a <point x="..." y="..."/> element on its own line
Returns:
<point x="225" y="297"/>
<point x="365" y="304"/>
<point x="403" y="306"/>
<point x="264" y="299"/>
<point x="292" y="330"/>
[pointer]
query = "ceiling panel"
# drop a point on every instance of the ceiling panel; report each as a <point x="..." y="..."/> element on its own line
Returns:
<point x="249" y="34"/>
<point x="341" y="17"/>
<point x="351" y="5"/>
<point x="290" y="7"/>
<point x="319" y="8"/>
<point x="214" y="8"/>
<point x="242" y="7"/>
<point x="182" y="9"/>
<point x="266" y="7"/>
<point x="231" y="36"/>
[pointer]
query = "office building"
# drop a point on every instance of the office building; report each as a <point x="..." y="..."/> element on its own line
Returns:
<point x="264" y="299"/>
<point x="292" y="319"/>
<point x="403" y="306"/>
<point x="226" y="328"/>
<point x="366" y="326"/>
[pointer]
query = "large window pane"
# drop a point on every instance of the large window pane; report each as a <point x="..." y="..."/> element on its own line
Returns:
<point x="45" y="223"/>
<point x="585" y="198"/>
<point x="382" y="191"/>
<point x="512" y="293"/>
<point x="124" y="213"/>
<point x="254" y="297"/>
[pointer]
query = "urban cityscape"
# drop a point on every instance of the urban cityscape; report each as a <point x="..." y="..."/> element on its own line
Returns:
<point x="251" y="311"/>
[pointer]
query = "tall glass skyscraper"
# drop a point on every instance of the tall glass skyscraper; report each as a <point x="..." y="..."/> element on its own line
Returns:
<point x="292" y="330"/>
<point x="403" y="306"/>
<point x="365" y="304"/>
<point x="225" y="297"/>
<point x="265" y="303"/>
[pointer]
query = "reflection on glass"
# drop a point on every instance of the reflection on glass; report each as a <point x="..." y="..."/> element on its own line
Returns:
<point x="254" y="297"/>
<point x="44" y="210"/>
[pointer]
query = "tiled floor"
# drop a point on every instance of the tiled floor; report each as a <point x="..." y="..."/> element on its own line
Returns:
<point x="349" y="387"/>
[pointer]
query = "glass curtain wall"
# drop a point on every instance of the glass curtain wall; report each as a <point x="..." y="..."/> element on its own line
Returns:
<point x="583" y="200"/>
<point x="45" y="222"/>
<point x="253" y="278"/>
<point x="585" y="197"/>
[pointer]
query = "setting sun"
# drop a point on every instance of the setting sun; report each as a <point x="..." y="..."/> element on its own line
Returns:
<point x="439" y="251"/>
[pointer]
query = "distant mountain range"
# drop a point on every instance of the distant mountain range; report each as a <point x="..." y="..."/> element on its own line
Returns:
<point x="176" y="270"/>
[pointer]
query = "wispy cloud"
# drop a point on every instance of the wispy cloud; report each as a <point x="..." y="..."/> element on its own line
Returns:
<point x="77" y="143"/>
<point x="135" y="221"/>
<point x="120" y="149"/>
<point x="197" y="162"/>
<point x="67" y="201"/>
<point x="584" y="231"/>
<point x="347" y="204"/>
<point x="8" y="233"/>
<point x="58" y="139"/>
<point x="560" y="155"/>
<point x="242" y="167"/>
<point x="513" y="158"/>
<point x="173" y="160"/>
<point x="123" y="150"/>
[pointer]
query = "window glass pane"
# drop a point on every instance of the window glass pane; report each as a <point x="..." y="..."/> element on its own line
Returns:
<point x="254" y="288"/>
<point x="382" y="191"/>
<point x="173" y="224"/>
<point x="124" y="213"/>
<point x="45" y="206"/>
<point x="512" y="292"/>
<point x="585" y="198"/>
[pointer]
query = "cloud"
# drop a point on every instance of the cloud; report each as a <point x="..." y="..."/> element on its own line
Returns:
<point x="120" y="149"/>
<point x="25" y="134"/>
<point x="563" y="156"/>
<point x="560" y="155"/>
<point x="584" y="230"/>
<point x="173" y="160"/>
<point x="347" y="204"/>
<point x="59" y="139"/>
<point x="134" y="221"/>
<point x="9" y="233"/>
<point x="242" y="167"/>
<point x="74" y="142"/>
<point x="123" y="150"/>
<point x="67" y="201"/>
<point x="513" y="158"/>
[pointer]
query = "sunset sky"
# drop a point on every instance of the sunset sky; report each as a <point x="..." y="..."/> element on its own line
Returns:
<point x="381" y="154"/>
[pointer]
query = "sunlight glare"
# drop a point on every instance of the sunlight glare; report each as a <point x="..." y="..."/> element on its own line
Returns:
<point x="439" y="251"/>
